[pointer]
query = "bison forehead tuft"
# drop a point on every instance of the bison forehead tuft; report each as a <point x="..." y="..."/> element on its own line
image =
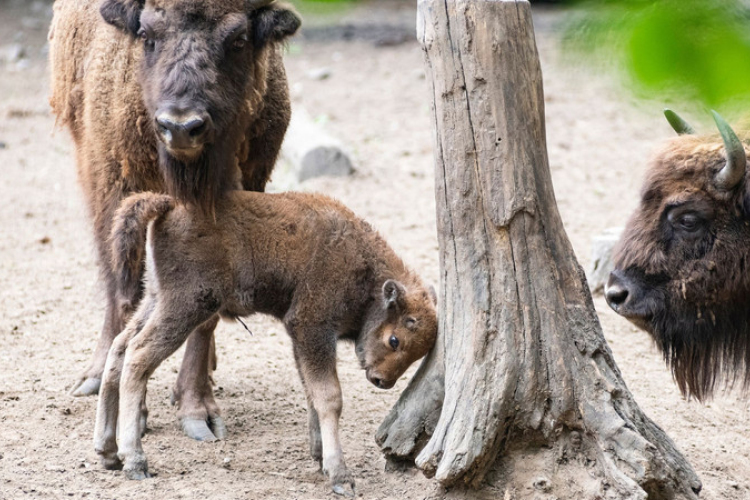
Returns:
<point x="204" y="9"/>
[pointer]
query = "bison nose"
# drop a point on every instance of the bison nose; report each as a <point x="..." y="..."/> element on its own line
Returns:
<point x="616" y="292"/>
<point x="183" y="133"/>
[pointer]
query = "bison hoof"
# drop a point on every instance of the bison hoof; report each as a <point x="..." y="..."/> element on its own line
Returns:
<point x="345" y="490"/>
<point x="88" y="386"/>
<point x="111" y="463"/>
<point x="218" y="427"/>
<point x="342" y="483"/>
<point x="199" y="429"/>
<point x="137" y="472"/>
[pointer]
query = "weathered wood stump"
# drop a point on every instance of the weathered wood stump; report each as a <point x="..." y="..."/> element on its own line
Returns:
<point x="532" y="400"/>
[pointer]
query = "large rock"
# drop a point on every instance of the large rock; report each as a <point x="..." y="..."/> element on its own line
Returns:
<point x="312" y="152"/>
<point x="601" y="258"/>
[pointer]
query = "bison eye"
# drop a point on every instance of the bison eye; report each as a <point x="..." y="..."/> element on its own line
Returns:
<point x="239" y="43"/>
<point x="393" y="341"/>
<point x="410" y="323"/>
<point x="686" y="221"/>
<point x="689" y="223"/>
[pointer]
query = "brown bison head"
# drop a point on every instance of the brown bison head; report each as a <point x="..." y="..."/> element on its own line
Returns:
<point x="203" y="73"/>
<point x="682" y="265"/>
<point x="401" y="327"/>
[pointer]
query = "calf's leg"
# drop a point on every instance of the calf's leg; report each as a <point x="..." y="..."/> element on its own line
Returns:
<point x="318" y="372"/>
<point x="159" y="338"/>
<point x="193" y="394"/>
<point x="105" y="431"/>
<point x="313" y="426"/>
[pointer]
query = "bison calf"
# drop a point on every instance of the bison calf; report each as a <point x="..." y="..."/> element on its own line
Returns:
<point x="305" y="259"/>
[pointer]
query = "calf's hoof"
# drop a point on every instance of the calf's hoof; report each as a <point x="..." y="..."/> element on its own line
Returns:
<point x="209" y="430"/>
<point x="137" y="470"/>
<point x="342" y="484"/>
<point x="137" y="474"/>
<point x="110" y="462"/>
<point x="87" y="386"/>
<point x="344" y="489"/>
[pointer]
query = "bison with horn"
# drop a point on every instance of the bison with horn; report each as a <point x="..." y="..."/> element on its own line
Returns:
<point x="682" y="265"/>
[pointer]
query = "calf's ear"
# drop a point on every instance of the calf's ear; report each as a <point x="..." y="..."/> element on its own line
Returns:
<point x="273" y="23"/>
<point x="123" y="14"/>
<point x="433" y="293"/>
<point x="393" y="294"/>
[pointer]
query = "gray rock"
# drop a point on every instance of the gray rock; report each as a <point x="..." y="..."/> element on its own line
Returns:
<point x="325" y="160"/>
<point x="601" y="258"/>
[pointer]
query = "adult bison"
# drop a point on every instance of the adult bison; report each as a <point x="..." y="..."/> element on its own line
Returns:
<point x="682" y="267"/>
<point x="187" y="97"/>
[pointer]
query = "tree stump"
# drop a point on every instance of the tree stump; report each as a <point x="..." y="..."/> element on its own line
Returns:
<point x="533" y="404"/>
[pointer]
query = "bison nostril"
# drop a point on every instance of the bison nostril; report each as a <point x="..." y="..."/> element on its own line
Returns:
<point x="164" y="124"/>
<point x="183" y="132"/>
<point x="195" y="127"/>
<point x="376" y="381"/>
<point x="616" y="294"/>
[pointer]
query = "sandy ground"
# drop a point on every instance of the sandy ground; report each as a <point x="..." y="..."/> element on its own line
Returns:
<point x="376" y="101"/>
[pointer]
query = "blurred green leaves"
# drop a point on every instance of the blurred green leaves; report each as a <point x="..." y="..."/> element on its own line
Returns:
<point x="322" y="7"/>
<point x="695" y="49"/>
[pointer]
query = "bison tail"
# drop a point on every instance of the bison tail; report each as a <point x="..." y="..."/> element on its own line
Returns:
<point x="128" y="240"/>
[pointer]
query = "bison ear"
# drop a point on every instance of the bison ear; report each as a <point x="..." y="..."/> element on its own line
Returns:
<point x="123" y="14"/>
<point x="393" y="294"/>
<point x="274" y="23"/>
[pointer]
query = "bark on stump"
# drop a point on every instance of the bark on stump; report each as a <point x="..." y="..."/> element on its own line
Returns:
<point x="533" y="405"/>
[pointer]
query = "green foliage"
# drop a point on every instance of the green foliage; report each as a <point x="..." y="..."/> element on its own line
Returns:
<point x="696" y="49"/>
<point x="322" y="7"/>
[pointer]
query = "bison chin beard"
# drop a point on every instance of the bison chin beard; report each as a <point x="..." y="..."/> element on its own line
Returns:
<point x="704" y="346"/>
<point x="200" y="181"/>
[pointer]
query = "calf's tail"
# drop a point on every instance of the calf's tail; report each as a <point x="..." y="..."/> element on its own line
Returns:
<point x="128" y="241"/>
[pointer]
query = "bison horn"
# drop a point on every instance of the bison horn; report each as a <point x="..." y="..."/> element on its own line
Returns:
<point x="678" y="124"/>
<point x="734" y="171"/>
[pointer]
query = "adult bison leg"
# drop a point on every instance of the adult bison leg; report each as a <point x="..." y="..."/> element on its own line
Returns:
<point x="89" y="382"/>
<point x="114" y="322"/>
<point x="193" y="394"/>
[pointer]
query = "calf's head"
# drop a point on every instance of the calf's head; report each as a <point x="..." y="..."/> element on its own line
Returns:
<point x="681" y="267"/>
<point x="401" y="327"/>
<point x="204" y="65"/>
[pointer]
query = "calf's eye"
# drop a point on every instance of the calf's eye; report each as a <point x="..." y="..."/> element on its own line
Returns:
<point x="148" y="42"/>
<point x="393" y="341"/>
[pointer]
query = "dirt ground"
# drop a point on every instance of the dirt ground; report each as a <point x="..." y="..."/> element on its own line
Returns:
<point x="376" y="101"/>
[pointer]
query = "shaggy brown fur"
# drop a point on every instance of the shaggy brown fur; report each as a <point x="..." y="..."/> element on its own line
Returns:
<point x="186" y="97"/>
<point x="681" y="267"/>
<point x="305" y="259"/>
